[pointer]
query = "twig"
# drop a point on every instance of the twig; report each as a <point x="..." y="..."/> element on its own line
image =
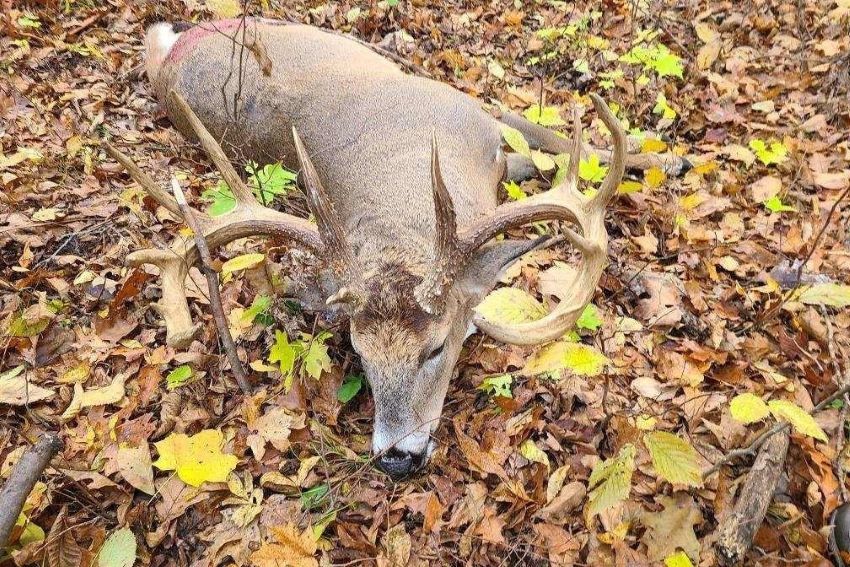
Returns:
<point x="760" y="440"/>
<point x="23" y="478"/>
<point x="212" y="282"/>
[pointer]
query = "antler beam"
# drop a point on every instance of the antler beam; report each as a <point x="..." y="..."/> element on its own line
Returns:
<point x="565" y="203"/>
<point x="247" y="219"/>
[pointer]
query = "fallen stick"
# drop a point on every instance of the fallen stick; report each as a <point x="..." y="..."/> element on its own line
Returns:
<point x="21" y="481"/>
<point x="212" y="282"/>
<point x="735" y="532"/>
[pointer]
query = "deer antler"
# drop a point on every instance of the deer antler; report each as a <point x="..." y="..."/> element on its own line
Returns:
<point x="247" y="219"/>
<point x="564" y="202"/>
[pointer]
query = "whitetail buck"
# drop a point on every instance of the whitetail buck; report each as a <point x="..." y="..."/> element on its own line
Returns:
<point x="402" y="176"/>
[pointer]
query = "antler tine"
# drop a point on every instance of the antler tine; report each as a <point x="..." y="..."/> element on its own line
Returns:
<point x="560" y="203"/>
<point x="617" y="167"/>
<point x="430" y="293"/>
<point x="241" y="192"/>
<point x="249" y="218"/>
<point x="330" y="229"/>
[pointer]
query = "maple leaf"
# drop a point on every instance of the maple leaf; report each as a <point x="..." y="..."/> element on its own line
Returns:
<point x="290" y="548"/>
<point x="197" y="459"/>
<point x="672" y="529"/>
<point x="315" y="355"/>
<point x="284" y="353"/>
<point x="579" y="358"/>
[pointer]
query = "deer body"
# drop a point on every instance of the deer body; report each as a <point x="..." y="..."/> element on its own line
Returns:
<point x="359" y="115"/>
<point x="407" y="239"/>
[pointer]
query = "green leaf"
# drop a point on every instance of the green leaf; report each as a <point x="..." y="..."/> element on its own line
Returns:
<point x="270" y="181"/>
<point x="313" y="497"/>
<point x="119" y="550"/>
<point x="509" y="306"/>
<point x="674" y="459"/>
<point x="499" y="385"/>
<point x="284" y="353"/>
<point x="316" y="358"/>
<point x="516" y="140"/>
<point x="179" y="376"/>
<point x="775" y="205"/>
<point x="769" y="152"/>
<point x="258" y="307"/>
<point x="352" y="384"/>
<point x="678" y="559"/>
<point x="221" y="199"/>
<point x="662" y="108"/>
<point x="533" y="453"/>
<point x="591" y="169"/>
<point x="392" y="3"/>
<point x="611" y="481"/>
<point x="589" y="318"/>
<point x="242" y="262"/>
<point x="666" y="63"/>
<point x="514" y="191"/>
<point x="748" y="408"/>
<point x="831" y="294"/>
<point x="579" y="358"/>
<point x="799" y="419"/>
<point x="548" y="116"/>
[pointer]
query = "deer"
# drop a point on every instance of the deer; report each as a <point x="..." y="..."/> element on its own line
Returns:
<point x="402" y="175"/>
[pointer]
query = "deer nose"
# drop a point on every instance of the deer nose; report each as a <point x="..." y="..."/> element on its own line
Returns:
<point x="400" y="464"/>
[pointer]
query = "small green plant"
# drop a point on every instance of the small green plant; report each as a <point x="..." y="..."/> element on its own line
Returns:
<point x="267" y="183"/>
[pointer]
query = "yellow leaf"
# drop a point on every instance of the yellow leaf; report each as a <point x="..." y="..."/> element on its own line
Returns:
<point x="17" y="390"/>
<point x="111" y="394"/>
<point x="242" y="262"/>
<point x="654" y="177"/>
<point x="797" y="417"/>
<point x="224" y="8"/>
<point x="645" y="422"/>
<point x="291" y="549"/>
<point x="678" y="559"/>
<point x="509" y="305"/>
<point x="579" y="358"/>
<point x="627" y="187"/>
<point x="674" y="459"/>
<point x="197" y="459"/>
<point x="651" y="145"/>
<point x="694" y="200"/>
<point x="610" y="482"/>
<point x="748" y="408"/>
<point x="533" y="453"/>
<point x="516" y="140"/>
<point x="542" y="161"/>
<point x="831" y="294"/>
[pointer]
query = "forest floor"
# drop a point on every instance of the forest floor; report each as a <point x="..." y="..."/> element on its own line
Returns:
<point x="726" y="283"/>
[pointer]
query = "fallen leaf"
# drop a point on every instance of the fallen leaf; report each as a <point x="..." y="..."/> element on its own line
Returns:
<point x="197" y="459"/>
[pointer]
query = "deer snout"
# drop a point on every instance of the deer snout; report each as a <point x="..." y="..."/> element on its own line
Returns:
<point x="401" y="464"/>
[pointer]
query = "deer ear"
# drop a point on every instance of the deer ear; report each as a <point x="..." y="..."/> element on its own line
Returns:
<point x="483" y="271"/>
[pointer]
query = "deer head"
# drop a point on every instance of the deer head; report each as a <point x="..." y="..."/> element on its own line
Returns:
<point x="408" y="318"/>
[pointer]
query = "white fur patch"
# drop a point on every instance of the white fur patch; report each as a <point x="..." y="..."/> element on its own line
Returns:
<point x="159" y="40"/>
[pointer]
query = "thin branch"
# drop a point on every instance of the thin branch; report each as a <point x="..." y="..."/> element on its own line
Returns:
<point x="212" y="282"/>
<point x="22" y="480"/>
<point x="760" y="440"/>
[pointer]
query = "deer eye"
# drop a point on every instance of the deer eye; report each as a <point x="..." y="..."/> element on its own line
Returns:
<point x="436" y="352"/>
